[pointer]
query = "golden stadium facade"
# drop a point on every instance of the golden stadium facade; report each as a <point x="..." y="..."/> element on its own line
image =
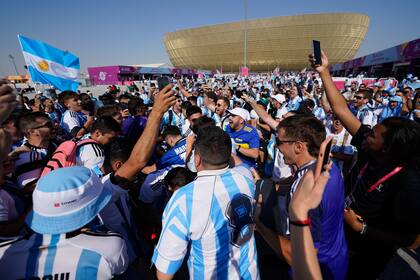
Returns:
<point x="278" y="41"/>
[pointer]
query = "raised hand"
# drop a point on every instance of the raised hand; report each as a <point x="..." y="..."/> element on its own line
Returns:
<point x="5" y="143"/>
<point x="164" y="99"/>
<point x="324" y="65"/>
<point x="248" y="99"/>
<point x="8" y="101"/>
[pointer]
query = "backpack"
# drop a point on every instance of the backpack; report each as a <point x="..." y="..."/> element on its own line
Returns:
<point x="65" y="155"/>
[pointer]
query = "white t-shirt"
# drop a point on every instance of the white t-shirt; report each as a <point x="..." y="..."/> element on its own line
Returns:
<point x="281" y="111"/>
<point x="87" y="255"/>
<point x="281" y="170"/>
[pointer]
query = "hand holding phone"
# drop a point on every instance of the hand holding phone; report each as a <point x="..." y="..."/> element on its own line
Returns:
<point x="316" y="46"/>
<point x="163" y="82"/>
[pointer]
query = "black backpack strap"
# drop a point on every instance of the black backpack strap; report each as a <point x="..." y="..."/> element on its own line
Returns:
<point x="171" y="116"/>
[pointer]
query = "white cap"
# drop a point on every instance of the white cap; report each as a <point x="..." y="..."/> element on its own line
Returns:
<point x="279" y="98"/>
<point x="244" y="114"/>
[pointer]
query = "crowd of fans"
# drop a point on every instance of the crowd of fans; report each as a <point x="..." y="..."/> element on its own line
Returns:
<point x="209" y="178"/>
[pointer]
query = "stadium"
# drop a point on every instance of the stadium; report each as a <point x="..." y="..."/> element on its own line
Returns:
<point x="283" y="42"/>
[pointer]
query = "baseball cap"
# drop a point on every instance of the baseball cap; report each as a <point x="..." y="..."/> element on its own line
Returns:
<point x="396" y="98"/>
<point x="244" y="114"/>
<point x="66" y="199"/>
<point x="279" y="98"/>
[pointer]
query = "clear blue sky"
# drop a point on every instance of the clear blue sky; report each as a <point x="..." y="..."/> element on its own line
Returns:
<point x="111" y="32"/>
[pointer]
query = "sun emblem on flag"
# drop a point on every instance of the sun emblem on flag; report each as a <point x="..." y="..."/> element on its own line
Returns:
<point x="43" y="65"/>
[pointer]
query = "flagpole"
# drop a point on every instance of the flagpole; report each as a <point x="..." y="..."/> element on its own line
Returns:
<point x="245" y="30"/>
<point x="14" y="63"/>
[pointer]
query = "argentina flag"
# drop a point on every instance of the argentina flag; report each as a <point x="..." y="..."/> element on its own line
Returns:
<point x="49" y="65"/>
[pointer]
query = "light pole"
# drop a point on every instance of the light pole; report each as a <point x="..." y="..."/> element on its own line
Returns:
<point x="245" y="29"/>
<point x="14" y="64"/>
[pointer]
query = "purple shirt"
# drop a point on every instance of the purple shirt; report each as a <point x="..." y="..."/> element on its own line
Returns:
<point x="328" y="228"/>
<point x="133" y="127"/>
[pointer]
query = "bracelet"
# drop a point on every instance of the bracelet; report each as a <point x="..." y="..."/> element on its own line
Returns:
<point x="303" y="223"/>
<point x="364" y="228"/>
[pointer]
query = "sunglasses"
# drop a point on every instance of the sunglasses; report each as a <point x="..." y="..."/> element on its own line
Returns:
<point x="358" y="97"/>
<point x="281" y="142"/>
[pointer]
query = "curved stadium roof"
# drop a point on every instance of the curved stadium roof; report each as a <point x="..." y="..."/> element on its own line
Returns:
<point x="278" y="41"/>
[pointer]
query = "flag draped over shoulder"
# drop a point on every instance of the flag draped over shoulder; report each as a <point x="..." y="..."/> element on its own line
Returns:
<point x="49" y="65"/>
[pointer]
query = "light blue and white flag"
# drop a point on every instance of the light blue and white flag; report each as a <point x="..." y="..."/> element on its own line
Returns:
<point x="49" y="65"/>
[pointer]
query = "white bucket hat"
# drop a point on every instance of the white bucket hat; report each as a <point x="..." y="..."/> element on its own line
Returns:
<point x="66" y="199"/>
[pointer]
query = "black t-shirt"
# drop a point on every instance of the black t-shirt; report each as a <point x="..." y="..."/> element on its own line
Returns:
<point x="395" y="205"/>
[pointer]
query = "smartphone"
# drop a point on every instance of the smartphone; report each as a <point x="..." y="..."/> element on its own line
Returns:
<point x="163" y="82"/>
<point x="316" y="45"/>
<point x="326" y="157"/>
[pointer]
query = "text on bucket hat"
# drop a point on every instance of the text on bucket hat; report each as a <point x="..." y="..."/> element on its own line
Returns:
<point x="66" y="199"/>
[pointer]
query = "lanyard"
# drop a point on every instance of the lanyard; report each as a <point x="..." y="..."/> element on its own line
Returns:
<point x="380" y="181"/>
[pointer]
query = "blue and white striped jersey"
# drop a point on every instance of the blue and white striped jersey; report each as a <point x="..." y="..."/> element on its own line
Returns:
<point x="77" y="256"/>
<point x="207" y="112"/>
<point x="172" y="118"/>
<point x="221" y="122"/>
<point x="366" y="116"/>
<point x="71" y="119"/>
<point x="212" y="218"/>
<point x="53" y="116"/>
<point x="294" y="103"/>
<point x="200" y="101"/>
<point x="320" y="114"/>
